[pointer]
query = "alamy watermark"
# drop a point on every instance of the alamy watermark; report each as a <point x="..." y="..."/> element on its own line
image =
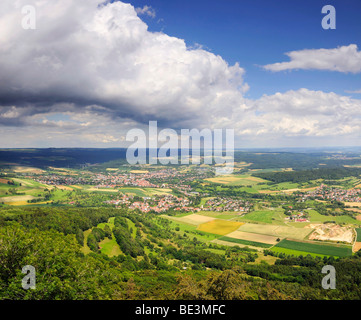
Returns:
<point x="329" y="281"/>
<point x="29" y="281"/>
<point x="191" y="146"/>
<point x="28" y="21"/>
<point x="329" y="21"/>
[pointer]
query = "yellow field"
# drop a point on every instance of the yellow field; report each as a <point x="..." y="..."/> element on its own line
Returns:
<point x="158" y="191"/>
<point x="221" y="227"/>
<point x="298" y="189"/>
<point x="28" y="170"/>
<point x="353" y="209"/>
<point x="268" y="191"/>
<point x="112" y="169"/>
<point x="64" y="188"/>
<point x="102" y="190"/>
<point x="18" y="203"/>
<point x="194" y="219"/>
<point x="139" y="171"/>
<point x="76" y="187"/>
<point x="357" y="246"/>
<point x="287" y="191"/>
<point x="233" y="178"/>
<point x="353" y="204"/>
<point x="16" y="198"/>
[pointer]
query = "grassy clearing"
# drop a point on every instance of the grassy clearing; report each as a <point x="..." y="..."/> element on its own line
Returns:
<point x="324" y="249"/>
<point x="108" y="246"/>
<point x="85" y="249"/>
<point x="131" y="225"/>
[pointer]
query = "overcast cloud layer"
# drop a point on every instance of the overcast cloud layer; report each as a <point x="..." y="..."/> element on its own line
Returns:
<point x="92" y="71"/>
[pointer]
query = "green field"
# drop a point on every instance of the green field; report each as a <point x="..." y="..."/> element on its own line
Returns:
<point x="246" y="242"/>
<point x="324" y="249"/>
<point x="315" y="217"/>
<point x="264" y="216"/>
<point x="358" y="232"/>
<point x="295" y="252"/>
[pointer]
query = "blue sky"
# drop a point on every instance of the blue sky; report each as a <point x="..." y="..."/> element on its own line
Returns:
<point x="259" y="32"/>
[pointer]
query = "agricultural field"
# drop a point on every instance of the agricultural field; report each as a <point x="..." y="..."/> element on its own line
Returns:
<point x="145" y="192"/>
<point x="191" y="229"/>
<point x="218" y="226"/>
<point x="245" y="242"/>
<point x="276" y="231"/>
<point x="193" y="219"/>
<point x="232" y="244"/>
<point x="237" y="180"/>
<point x="253" y="237"/>
<point x="315" y="217"/>
<point x="270" y="216"/>
<point x="323" y="249"/>
<point x="357" y="244"/>
<point x="219" y="215"/>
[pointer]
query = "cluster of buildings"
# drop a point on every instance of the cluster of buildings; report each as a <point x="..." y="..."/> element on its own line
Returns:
<point x="157" y="204"/>
<point x="297" y="217"/>
<point x="227" y="204"/>
<point x="54" y="179"/>
<point x="329" y="193"/>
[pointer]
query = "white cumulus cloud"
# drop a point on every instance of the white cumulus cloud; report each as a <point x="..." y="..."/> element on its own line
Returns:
<point x="342" y="59"/>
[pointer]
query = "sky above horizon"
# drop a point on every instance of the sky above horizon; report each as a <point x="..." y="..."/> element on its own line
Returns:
<point x="92" y="70"/>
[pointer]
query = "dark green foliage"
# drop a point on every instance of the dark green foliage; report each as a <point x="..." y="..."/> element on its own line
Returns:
<point x="246" y="242"/>
<point x="307" y="175"/>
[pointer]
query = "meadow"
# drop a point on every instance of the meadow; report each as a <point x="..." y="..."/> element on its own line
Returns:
<point x="324" y="249"/>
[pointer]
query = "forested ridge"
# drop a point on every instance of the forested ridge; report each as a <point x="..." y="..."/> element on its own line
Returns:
<point x="49" y="240"/>
<point x="307" y="175"/>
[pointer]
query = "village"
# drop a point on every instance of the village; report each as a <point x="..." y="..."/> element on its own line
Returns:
<point x="325" y="192"/>
<point x="227" y="204"/>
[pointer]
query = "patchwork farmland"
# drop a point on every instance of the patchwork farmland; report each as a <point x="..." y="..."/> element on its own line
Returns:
<point x="279" y="238"/>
